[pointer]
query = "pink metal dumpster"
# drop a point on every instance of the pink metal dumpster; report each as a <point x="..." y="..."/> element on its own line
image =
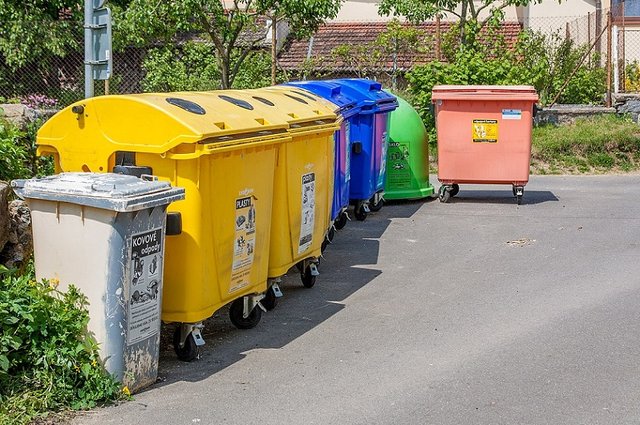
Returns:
<point x="484" y="136"/>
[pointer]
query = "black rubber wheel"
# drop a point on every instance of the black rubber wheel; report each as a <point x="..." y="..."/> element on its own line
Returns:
<point x="341" y="221"/>
<point x="189" y="351"/>
<point x="513" y="190"/>
<point x="270" y="301"/>
<point x="324" y="245"/>
<point x="308" y="280"/>
<point x="373" y="206"/>
<point x="235" y="314"/>
<point x="360" y="213"/>
<point x="443" y="194"/>
<point x="519" y="199"/>
<point x="331" y="234"/>
<point x="454" y="190"/>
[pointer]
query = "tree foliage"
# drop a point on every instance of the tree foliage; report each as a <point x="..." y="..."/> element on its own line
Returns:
<point x="232" y="32"/>
<point x="34" y="29"/>
<point x="31" y="29"/>
<point x="396" y="41"/>
<point x="468" y="12"/>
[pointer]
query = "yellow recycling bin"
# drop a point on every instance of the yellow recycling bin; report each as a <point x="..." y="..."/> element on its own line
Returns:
<point x="303" y="191"/>
<point x="223" y="152"/>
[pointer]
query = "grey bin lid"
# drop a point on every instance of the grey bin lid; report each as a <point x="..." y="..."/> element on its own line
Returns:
<point x="115" y="192"/>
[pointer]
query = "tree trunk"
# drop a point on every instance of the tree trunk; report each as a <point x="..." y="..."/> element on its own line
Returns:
<point x="225" y="66"/>
<point x="463" y="23"/>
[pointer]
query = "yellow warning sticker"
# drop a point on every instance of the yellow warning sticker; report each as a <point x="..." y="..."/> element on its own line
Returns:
<point x="485" y="131"/>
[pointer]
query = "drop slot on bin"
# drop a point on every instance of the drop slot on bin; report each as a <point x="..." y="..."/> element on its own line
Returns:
<point x="240" y="136"/>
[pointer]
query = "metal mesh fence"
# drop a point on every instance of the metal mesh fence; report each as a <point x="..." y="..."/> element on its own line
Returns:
<point x="58" y="81"/>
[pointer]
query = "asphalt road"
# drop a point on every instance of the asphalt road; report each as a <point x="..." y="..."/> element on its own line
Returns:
<point x="474" y="312"/>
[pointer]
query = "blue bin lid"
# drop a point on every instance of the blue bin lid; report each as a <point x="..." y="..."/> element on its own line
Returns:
<point x="332" y="92"/>
<point x="371" y="90"/>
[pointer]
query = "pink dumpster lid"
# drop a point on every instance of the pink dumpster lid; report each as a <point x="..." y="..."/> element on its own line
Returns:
<point x="485" y="93"/>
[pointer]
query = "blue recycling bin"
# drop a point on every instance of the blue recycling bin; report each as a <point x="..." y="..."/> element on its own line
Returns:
<point x="348" y="109"/>
<point x="369" y="134"/>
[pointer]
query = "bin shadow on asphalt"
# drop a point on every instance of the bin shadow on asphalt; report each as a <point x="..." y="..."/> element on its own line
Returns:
<point x="531" y="197"/>
<point x="349" y="264"/>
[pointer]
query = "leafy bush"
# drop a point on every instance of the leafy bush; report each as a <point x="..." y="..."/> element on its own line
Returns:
<point x="255" y="72"/>
<point x="190" y="66"/>
<point x="18" y="152"/>
<point x="543" y="61"/>
<point x="47" y="361"/>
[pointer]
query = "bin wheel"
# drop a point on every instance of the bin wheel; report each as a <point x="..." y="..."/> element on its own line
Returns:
<point x="443" y="194"/>
<point x="513" y="190"/>
<point x="308" y="280"/>
<point x="235" y="314"/>
<point x="324" y="245"/>
<point x="375" y="206"/>
<point x="270" y="301"/>
<point x="455" y="188"/>
<point x="360" y="213"/>
<point x="519" y="199"/>
<point x="189" y="351"/>
<point x="341" y="221"/>
<point x="331" y="234"/>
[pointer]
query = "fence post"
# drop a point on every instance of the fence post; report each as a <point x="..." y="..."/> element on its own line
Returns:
<point x="609" y="55"/>
<point x="274" y="48"/>
<point x="599" y="25"/>
<point x="438" y="39"/>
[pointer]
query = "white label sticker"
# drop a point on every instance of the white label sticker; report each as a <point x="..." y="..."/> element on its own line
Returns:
<point x="308" y="211"/>
<point x="143" y="315"/>
<point x="511" y="114"/>
<point x="244" y="244"/>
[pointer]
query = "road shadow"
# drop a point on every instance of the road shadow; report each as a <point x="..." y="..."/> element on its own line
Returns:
<point x="348" y="264"/>
<point x="531" y="197"/>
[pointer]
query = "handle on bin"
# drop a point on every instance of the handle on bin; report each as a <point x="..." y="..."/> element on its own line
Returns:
<point x="174" y="224"/>
<point x="536" y="109"/>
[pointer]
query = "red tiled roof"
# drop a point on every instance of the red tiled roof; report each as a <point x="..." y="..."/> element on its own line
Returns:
<point x="335" y="34"/>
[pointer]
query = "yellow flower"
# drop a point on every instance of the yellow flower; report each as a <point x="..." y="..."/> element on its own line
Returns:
<point x="94" y="363"/>
<point x="125" y="391"/>
<point x="54" y="283"/>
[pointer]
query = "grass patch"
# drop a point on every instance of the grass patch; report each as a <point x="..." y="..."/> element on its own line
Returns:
<point x="598" y="144"/>
<point x="48" y="363"/>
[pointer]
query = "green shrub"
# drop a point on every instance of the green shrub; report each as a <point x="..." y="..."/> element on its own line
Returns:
<point x="255" y="72"/>
<point x="47" y="360"/>
<point x="18" y="152"/>
<point x="543" y="61"/>
<point x="189" y="66"/>
<point x="192" y="66"/>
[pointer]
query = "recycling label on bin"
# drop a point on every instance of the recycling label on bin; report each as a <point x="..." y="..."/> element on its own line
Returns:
<point x="511" y="114"/>
<point x="143" y="315"/>
<point x="244" y="243"/>
<point x="485" y="131"/>
<point x="399" y="173"/>
<point x="383" y="159"/>
<point x="308" y="211"/>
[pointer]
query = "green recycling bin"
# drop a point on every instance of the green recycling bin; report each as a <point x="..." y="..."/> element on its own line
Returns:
<point x="407" y="155"/>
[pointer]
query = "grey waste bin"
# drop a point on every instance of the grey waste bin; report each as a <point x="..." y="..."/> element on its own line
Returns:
<point x="104" y="233"/>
